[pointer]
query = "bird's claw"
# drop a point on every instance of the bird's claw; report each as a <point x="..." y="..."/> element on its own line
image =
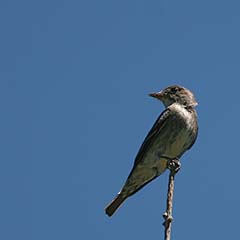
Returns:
<point x="174" y="165"/>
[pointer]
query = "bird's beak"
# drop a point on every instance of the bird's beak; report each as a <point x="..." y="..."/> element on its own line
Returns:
<point x="158" y="95"/>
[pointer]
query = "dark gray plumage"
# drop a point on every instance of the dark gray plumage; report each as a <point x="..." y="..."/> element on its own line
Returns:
<point x="174" y="132"/>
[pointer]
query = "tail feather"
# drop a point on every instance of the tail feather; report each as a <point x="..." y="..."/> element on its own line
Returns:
<point x="114" y="205"/>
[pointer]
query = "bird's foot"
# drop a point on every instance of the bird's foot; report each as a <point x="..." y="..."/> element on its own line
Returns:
<point x="174" y="165"/>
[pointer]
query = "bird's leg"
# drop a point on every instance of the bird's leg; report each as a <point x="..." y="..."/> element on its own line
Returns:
<point x="174" y="165"/>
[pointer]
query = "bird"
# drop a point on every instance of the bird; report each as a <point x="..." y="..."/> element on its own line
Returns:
<point x="174" y="132"/>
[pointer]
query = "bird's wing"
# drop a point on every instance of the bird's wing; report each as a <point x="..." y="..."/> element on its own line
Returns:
<point x="196" y="128"/>
<point x="153" y="133"/>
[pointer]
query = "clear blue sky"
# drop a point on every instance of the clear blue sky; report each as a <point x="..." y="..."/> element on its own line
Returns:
<point x="74" y="79"/>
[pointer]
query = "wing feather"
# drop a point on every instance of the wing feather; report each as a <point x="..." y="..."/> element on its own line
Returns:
<point x="153" y="133"/>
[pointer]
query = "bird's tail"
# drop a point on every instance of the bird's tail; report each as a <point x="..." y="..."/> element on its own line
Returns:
<point x="114" y="205"/>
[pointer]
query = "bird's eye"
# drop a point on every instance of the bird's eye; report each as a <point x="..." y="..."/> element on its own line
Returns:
<point x="173" y="90"/>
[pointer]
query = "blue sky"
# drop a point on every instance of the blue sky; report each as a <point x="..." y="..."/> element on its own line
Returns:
<point x="74" y="79"/>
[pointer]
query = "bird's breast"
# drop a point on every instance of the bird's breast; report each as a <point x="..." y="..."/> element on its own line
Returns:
<point x="172" y="141"/>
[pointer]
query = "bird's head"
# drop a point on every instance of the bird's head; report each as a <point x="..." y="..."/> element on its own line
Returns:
<point x="176" y="94"/>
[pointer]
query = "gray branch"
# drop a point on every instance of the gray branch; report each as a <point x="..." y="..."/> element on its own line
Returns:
<point x="173" y="166"/>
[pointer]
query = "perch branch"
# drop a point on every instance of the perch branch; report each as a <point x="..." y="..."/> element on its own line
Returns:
<point x="174" y="167"/>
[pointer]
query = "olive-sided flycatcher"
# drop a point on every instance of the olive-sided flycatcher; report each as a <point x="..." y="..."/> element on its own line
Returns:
<point x="173" y="133"/>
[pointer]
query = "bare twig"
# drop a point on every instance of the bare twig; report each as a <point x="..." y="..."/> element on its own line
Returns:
<point x="174" y="167"/>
